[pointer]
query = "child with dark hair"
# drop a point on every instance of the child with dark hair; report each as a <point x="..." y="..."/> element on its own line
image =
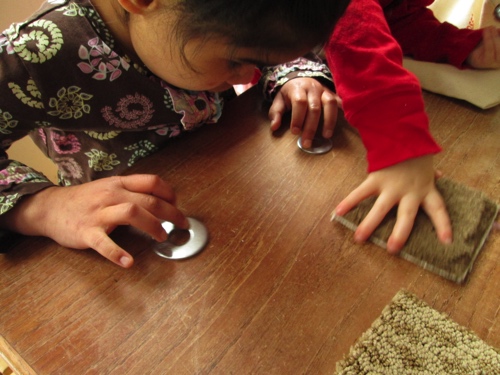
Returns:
<point x="99" y="84"/>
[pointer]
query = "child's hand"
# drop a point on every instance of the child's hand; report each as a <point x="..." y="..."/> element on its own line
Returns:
<point x="308" y="99"/>
<point x="487" y="53"/>
<point x="83" y="216"/>
<point x="409" y="184"/>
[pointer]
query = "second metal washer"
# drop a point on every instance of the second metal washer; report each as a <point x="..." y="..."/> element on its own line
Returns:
<point x="319" y="145"/>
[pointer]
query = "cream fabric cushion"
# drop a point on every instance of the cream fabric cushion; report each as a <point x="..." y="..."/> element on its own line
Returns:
<point x="479" y="87"/>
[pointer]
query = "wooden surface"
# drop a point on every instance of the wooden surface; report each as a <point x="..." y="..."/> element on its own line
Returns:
<point x="278" y="290"/>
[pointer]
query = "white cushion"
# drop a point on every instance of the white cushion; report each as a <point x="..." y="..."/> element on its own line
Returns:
<point x="479" y="87"/>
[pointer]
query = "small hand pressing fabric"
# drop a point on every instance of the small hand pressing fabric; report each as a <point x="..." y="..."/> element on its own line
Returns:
<point x="472" y="215"/>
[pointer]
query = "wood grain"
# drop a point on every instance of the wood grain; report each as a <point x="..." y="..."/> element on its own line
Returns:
<point x="278" y="290"/>
<point x="11" y="362"/>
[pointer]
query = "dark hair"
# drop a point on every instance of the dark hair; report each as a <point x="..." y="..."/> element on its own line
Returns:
<point x="262" y="24"/>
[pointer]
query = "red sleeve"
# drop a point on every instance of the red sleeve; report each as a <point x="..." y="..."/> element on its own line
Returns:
<point x="380" y="98"/>
<point x="423" y="37"/>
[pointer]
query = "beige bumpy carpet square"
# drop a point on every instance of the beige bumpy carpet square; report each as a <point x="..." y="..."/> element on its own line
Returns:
<point x="412" y="338"/>
<point x="472" y="216"/>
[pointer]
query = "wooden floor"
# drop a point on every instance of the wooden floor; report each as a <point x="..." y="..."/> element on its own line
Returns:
<point x="278" y="290"/>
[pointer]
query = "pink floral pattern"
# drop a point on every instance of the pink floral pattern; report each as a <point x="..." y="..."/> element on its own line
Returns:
<point x="65" y="144"/>
<point x="68" y="169"/>
<point x="41" y="133"/>
<point x="101" y="60"/>
<point x="133" y="112"/>
<point x="197" y="107"/>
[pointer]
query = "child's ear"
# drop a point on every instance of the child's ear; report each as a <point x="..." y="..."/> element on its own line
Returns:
<point x="137" y="6"/>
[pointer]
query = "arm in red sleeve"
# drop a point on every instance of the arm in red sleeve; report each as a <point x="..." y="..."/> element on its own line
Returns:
<point x="423" y="37"/>
<point x="380" y="98"/>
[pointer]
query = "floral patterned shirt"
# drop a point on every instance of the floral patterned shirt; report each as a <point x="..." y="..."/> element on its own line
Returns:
<point x="66" y="82"/>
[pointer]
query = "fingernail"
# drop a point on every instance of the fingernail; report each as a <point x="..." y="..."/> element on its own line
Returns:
<point x="295" y="131"/>
<point x="306" y="143"/>
<point x="392" y="247"/>
<point x="163" y="236"/>
<point x="448" y="241"/>
<point x="328" y="134"/>
<point x="125" y="261"/>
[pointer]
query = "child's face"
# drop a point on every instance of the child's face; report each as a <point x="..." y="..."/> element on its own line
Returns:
<point x="212" y="64"/>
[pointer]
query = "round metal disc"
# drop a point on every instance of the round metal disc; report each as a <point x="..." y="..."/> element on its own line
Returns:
<point x="319" y="145"/>
<point x="198" y="237"/>
<point x="497" y="12"/>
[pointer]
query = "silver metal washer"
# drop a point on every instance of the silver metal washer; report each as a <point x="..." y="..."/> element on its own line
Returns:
<point x="319" y="145"/>
<point x="198" y="238"/>
<point x="497" y="12"/>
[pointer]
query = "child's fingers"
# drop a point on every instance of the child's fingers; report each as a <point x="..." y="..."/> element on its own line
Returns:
<point x="100" y="242"/>
<point x="311" y="121"/>
<point x="496" y="48"/>
<point x="150" y="193"/>
<point x="407" y="211"/>
<point x="141" y="218"/>
<point x="356" y="196"/>
<point x="299" y="103"/>
<point x="330" y="112"/>
<point x="491" y="47"/>
<point x="276" y="111"/>
<point x="435" y="208"/>
<point x="438" y="173"/>
<point x="489" y="35"/>
<point x="382" y="206"/>
<point x="160" y="210"/>
<point x="148" y="184"/>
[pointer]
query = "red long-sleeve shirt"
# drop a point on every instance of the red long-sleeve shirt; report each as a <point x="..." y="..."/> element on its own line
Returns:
<point x="425" y="38"/>
<point x="381" y="98"/>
